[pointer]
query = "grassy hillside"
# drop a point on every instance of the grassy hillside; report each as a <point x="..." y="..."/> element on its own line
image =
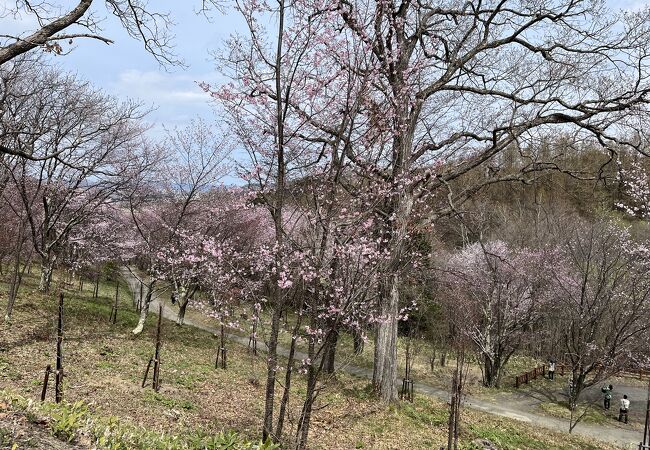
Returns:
<point x="104" y="366"/>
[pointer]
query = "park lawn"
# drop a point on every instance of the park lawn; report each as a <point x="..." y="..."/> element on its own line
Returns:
<point x="104" y="365"/>
<point x="439" y="377"/>
<point x="592" y="414"/>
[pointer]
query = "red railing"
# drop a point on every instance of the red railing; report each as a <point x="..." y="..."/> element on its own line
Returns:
<point x="526" y="377"/>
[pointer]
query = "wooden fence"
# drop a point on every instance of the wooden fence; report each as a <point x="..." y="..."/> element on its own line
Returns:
<point x="526" y="377"/>
<point x="538" y="371"/>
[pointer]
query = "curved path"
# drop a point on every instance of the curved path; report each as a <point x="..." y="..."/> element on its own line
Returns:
<point x="512" y="406"/>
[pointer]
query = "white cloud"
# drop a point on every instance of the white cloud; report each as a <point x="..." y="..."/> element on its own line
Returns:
<point x="161" y="88"/>
<point x="176" y="98"/>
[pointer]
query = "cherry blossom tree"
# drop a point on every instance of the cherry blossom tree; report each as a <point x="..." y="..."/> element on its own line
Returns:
<point x="165" y="208"/>
<point x="209" y="251"/>
<point x="272" y="73"/>
<point x="98" y="240"/>
<point x="98" y="145"/>
<point x="601" y="299"/>
<point x="635" y="187"/>
<point x="495" y="295"/>
<point x="429" y="112"/>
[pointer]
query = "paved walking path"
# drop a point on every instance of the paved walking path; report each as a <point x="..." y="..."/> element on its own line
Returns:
<point x="512" y="406"/>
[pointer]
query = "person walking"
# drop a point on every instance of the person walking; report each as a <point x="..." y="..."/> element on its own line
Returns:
<point x="551" y="369"/>
<point x="607" y="396"/>
<point x="625" y="408"/>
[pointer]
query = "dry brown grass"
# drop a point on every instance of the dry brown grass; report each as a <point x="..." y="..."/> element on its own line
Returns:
<point x="104" y="366"/>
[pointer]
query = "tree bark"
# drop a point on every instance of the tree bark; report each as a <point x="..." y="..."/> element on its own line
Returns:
<point x="385" y="363"/>
<point x="287" y="378"/>
<point x="37" y="39"/>
<point x="302" y="433"/>
<point x="330" y="354"/>
<point x="358" y="343"/>
<point x="145" y="310"/>
<point x="492" y="370"/>
<point x="385" y="367"/>
<point x="272" y="362"/>
<point x="47" y="267"/>
<point x="182" y="307"/>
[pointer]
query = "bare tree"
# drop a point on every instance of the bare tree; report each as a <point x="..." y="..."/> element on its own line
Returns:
<point x="55" y="29"/>
<point x="56" y="25"/>
<point x="459" y="82"/>
<point x="602" y="302"/>
<point x="98" y="146"/>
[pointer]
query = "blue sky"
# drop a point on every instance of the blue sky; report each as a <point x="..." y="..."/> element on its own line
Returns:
<point x="126" y="70"/>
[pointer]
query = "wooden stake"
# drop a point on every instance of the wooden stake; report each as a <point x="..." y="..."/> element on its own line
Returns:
<point x="146" y="373"/>
<point x="48" y="369"/>
<point x="221" y="351"/>
<point x="113" y="318"/>
<point x="140" y="300"/>
<point x="252" y="340"/>
<point x="156" y="362"/>
<point x="407" y="390"/>
<point x="58" y="384"/>
<point x="156" y="358"/>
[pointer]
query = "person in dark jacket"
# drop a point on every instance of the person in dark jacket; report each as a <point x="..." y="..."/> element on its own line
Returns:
<point x="607" y="396"/>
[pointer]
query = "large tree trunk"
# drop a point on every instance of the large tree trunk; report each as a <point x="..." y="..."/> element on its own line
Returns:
<point x="182" y="307"/>
<point x="47" y="267"/>
<point x="330" y="353"/>
<point x="145" y="309"/>
<point x="272" y="363"/>
<point x="385" y="364"/>
<point x="384" y="373"/>
<point x="489" y="371"/>
<point x="492" y="370"/>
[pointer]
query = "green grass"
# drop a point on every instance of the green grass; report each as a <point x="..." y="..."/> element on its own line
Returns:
<point x="561" y="410"/>
<point x="75" y="422"/>
<point x="508" y="439"/>
<point x="425" y="414"/>
<point x="171" y="403"/>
